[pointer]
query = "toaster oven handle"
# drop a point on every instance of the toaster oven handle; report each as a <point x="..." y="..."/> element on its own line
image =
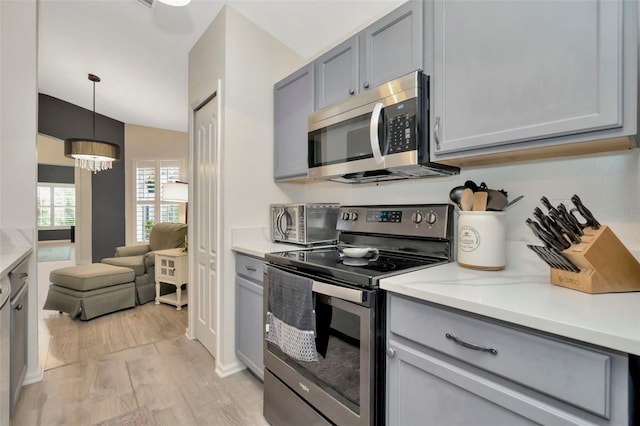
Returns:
<point x="283" y="229"/>
<point x="373" y="133"/>
<point x="276" y="224"/>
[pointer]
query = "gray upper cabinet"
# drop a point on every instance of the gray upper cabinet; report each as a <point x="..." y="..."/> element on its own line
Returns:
<point x="509" y="72"/>
<point x="293" y="102"/>
<point x="337" y="73"/>
<point x="389" y="48"/>
<point x="392" y="46"/>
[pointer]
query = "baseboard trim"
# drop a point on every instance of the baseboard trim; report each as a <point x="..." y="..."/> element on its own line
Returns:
<point x="33" y="377"/>
<point x="226" y="370"/>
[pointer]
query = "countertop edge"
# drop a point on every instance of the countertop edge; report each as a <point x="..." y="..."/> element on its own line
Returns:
<point x="533" y="322"/>
<point x="14" y="259"/>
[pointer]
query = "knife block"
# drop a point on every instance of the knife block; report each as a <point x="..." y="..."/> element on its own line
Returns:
<point x="606" y="265"/>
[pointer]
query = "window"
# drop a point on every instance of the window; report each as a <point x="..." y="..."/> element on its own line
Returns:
<point x="150" y="209"/>
<point x="56" y="205"/>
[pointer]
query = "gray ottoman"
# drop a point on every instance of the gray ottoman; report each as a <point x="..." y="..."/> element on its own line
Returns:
<point x="91" y="290"/>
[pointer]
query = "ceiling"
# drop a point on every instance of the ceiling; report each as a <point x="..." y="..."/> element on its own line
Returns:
<point x="141" y="54"/>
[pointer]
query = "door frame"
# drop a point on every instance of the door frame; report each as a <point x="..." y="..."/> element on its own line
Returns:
<point x="213" y="93"/>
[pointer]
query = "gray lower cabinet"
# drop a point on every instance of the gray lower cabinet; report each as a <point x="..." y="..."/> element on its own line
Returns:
<point x="249" y="336"/>
<point x="447" y="367"/>
<point x="293" y="102"/>
<point x="508" y="73"/>
<point x="387" y="49"/>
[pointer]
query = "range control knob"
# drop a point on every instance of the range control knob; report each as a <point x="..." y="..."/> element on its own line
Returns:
<point x="431" y="218"/>
<point x="353" y="216"/>
<point x="416" y="217"/>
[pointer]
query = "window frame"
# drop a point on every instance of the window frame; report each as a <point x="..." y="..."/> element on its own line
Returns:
<point x="157" y="164"/>
<point x="52" y="186"/>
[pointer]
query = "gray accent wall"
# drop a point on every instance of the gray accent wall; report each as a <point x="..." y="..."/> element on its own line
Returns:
<point x="62" y="120"/>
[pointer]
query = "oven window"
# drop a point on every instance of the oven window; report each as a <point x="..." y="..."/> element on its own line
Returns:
<point x="342" y="142"/>
<point x="338" y="344"/>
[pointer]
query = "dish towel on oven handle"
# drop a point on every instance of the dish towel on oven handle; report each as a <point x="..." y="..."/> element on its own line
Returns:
<point x="290" y="315"/>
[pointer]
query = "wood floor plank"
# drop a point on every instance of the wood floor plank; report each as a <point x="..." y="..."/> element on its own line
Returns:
<point x="134" y="359"/>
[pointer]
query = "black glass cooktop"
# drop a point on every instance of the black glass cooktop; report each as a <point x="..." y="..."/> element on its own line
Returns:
<point x="331" y="262"/>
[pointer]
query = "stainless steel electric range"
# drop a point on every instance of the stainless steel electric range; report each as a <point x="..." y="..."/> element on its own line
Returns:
<point x="346" y="383"/>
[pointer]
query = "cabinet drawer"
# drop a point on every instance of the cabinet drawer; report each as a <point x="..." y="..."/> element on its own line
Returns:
<point x="250" y="267"/>
<point x="576" y="375"/>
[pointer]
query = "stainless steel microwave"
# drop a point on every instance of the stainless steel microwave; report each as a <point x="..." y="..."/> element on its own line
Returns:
<point x="380" y="134"/>
<point x="304" y="223"/>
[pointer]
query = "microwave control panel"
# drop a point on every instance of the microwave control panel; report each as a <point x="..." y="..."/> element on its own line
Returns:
<point x="402" y="126"/>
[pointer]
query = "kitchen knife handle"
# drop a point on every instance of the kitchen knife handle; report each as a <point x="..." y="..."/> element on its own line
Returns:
<point x="472" y="346"/>
<point x="584" y="212"/>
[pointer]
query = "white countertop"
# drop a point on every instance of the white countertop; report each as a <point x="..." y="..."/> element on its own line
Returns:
<point x="522" y="294"/>
<point x="14" y="247"/>
<point x="257" y="242"/>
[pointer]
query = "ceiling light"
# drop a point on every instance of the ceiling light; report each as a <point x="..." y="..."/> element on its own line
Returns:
<point x="92" y="154"/>
<point x="175" y="2"/>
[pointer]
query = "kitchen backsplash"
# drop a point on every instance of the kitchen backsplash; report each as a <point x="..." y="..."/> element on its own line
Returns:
<point x="608" y="184"/>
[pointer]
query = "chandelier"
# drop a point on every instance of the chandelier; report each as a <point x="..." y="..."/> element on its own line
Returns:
<point x="92" y="154"/>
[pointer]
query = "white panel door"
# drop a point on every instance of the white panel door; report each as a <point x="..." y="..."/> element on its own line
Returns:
<point x="510" y="71"/>
<point x="205" y="214"/>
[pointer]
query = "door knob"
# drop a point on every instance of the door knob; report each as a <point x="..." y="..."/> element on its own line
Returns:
<point x="391" y="352"/>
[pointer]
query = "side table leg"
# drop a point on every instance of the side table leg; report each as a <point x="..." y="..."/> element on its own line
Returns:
<point x="157" y="292"/>
<point x="178" y="297"/>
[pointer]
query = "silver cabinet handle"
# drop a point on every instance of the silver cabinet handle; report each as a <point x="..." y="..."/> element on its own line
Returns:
<point x="249" y="268"/>
<point x="471" y="346"/>
<point x="352" y="91"/>
<point x="19" y="307"/>
<point x="366" y="85"/>
<point x="436" y="132"/>
<point x="391" y="352"/>
<point x="24" y="275"/>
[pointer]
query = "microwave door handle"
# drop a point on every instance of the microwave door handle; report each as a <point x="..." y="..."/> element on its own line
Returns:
<point x="373" y="133"/>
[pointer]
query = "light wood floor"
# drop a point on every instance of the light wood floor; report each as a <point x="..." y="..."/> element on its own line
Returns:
<point x="137" y="360"/>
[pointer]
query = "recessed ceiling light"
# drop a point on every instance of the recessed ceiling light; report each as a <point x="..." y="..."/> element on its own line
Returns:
<point x="175" y="2"/>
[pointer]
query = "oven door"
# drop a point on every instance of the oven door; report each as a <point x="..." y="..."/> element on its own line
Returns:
<point x="340" y="385"/>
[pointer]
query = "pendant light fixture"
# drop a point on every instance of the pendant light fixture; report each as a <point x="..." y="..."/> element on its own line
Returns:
<point x="92" y="154"/>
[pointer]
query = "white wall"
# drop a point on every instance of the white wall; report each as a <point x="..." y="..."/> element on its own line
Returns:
<point x="18" y="128"/>
<point x="248" y="61"/>
<point x="609" y="184"/>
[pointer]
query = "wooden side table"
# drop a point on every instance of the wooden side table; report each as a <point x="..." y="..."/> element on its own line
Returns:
<point x="172" y="267"/>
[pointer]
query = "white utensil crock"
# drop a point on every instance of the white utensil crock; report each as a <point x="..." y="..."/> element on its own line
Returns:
<point x="482" y="240"/>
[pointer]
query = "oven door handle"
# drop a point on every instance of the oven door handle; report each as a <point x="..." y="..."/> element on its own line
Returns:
<point x="344" y="293"/>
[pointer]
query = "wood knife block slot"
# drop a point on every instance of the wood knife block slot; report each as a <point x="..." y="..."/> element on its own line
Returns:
<point x="606" y="265"/>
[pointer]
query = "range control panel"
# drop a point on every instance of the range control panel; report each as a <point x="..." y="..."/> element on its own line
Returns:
<point x="427" y="220"/>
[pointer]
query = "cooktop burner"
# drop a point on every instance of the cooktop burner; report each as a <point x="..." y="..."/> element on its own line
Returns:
<point x="332" y="262"/>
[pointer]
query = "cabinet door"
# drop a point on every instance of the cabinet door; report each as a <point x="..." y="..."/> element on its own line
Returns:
<point x="249" y="336"/>
<point x="293" y="102"/>
<point x="392" y="46"/>
<point x="337" y="73"/>
<point x="427" y="389"/>
<point x="524" y="70"/>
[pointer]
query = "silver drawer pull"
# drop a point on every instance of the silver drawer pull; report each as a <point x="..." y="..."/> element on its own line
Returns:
<point x="249" y="268"/>
<point x="19" y="307"/>
<point x="471" y="345"/>
<point x="24" y="275"/>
